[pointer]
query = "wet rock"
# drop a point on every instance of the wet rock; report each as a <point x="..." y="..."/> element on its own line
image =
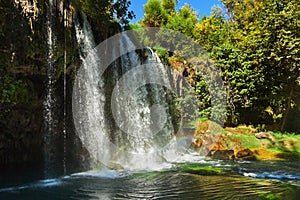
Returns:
<point x="265" y="135"/>
<point x="245" y="154"/>
<point x="21" y="136"/>
<point x="197" y="142"/>
<point x="222" y="154"/>
<point x="115" y="166"/>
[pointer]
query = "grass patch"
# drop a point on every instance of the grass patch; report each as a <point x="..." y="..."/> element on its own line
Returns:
<point x="287" y="146"/>
<point x="248" y="141"/>
<point x="282" y="146"/>
<point x="263" y="154"/>
<point x="280" y="135"/>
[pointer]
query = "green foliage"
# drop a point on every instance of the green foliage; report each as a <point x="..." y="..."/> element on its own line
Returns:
<point x="12" y="93"/>
<point x="106" y="10"/>
<point x="169" y="6"/>
<point x="107" y="17"/>
<point x="247" y="140"/>
<point x="134" y="26"/>
<point x="212" y="31"/>
<point x="203" y="94"/>
<point x="155" y="14"/>
<point x="122" y="14"/>
<point x="188" y="105"/>
<point x="256" y="50"/>
<point x="200" y="169"/>
<point x="269" y="196"/>
<point x="162" y="53"/>
<point x="163" y="14"/>
<point x="23" y="47"/>
<point x="274" y="116"/>
<point x="184" y="21"/>
<point x="255" y="44"/>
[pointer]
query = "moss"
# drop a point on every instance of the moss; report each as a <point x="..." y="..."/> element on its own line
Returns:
<point x="162" y="53"/>
<point x="268" y="196"/>
<point x="201" y="170"/>
<point x="285" y="147"/>
<point x="247" y="141"/>
<point x="15" y="92"/>
<point x="291" y="191"/>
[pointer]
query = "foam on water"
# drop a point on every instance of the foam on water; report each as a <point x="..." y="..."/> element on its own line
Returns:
<point x="273" y="175"/>
<point x="102" y="173"/>
<point x="39" y="184"/>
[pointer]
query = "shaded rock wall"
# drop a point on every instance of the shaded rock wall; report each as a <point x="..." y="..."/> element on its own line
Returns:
<point x="23" y="56"/>
<point x="21" y="138"/>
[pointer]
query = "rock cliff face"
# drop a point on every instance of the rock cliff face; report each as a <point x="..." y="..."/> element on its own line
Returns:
<point x="21" y="139"/>
<point x="24" y="54"/>
<point x="23" y="58"/>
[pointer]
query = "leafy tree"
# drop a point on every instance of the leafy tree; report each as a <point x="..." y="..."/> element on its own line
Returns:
<point x="106" y="10"/>
<point x="212" y="31"/>
<point x="120" y="9"/>
<point x="277" y="48"/>
<point x="256" y="45"/>
<point x="155" y="14"/>
<point x="169" y="6"/>
<point x="105" y="16"/>
<point x="267" y="36"/>
<point x="184" y="21"/>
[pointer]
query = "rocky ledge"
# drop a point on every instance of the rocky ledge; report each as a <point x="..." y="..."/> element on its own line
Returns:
<point x="246" y="143"/>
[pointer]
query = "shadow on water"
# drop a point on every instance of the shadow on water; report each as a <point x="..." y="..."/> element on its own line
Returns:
<point x="13" y="175"/>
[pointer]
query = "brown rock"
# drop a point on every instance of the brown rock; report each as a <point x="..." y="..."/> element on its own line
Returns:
<point x="197" y="142"/>
<point x="245" y="154"/>
<point x="222" y="154"/>
<point x="265" y="135"/>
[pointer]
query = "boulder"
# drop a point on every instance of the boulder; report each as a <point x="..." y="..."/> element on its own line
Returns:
<point x="222" y="154"/>
<point x="265" y="135"/>
<point x="245" y="154"/>
<point x="197" y="142"/>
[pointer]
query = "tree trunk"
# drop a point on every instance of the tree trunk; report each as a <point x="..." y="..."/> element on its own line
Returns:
<point x="289" y="100"/>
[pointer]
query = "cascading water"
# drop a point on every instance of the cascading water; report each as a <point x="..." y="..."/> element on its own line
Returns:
<point x="122" y="113"/>
<point x="140" y="132"/>
<point x="65" y="18"/>
<point x="123" y="117"/>
<point x="91" y="99"/>
<point x="50" y="99"/>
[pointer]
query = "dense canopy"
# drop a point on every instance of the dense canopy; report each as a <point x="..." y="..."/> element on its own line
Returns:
<point x="256" y="45"/>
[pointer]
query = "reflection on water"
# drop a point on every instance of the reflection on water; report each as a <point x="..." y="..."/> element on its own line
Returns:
<point x="167" y="184"/>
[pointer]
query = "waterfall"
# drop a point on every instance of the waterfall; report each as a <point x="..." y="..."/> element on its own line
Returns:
<point x="50" y="99"/>
<point x="91" y="96"/>
<point x="84" y="35"/>
<point x="123" y="117"/>
<point x="143" y="128"/>
<point x="65" y="18"/>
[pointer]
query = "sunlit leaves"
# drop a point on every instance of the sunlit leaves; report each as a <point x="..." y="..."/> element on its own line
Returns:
<point x="169" y="6"/>
<point x="256" y="45"/>
<point x="184" y="21"/>
<point x="155" y="14"/>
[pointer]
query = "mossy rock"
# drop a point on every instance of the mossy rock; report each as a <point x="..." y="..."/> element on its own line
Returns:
<point x="201" y="170"/>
